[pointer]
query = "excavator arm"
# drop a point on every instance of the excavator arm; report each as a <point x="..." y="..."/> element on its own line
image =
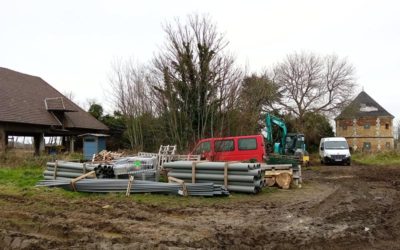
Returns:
<point x="295" y="141"/>
<point x="271" y="120"/>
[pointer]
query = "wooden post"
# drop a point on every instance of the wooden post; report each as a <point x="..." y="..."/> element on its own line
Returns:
<point x="55" y="170"/>
<point x="181" y="182"/>
<point x="226" y="165"/>
<point x="194" y="163"/>
<point x="80" y="178"/>
<point x="38" y="142"/>
<point x="71" y="144"/>
<point x="3" y="139"/>
<point x="226" y="174"/>
<point x="128" y="189"/>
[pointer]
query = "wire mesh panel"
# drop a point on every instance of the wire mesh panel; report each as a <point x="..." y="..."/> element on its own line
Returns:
<point x="130" y="165"/>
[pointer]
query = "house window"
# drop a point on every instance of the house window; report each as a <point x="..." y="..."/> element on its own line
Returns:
<point x="387" y="126"/>
<point x="367" y="146"/>
<point x="224" y="145"/>
<point x="387" y="145"/>
<point x="366" y="126"/>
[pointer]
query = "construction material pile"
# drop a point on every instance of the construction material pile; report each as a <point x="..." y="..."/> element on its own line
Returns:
<point x="143" y="167"/>
<point x="104" y="171"/>
<point x="237" y="177"/>
<point x="120" y="186"/>
<point x="282" y="175"/>
<point x="66" y="170"/>
<point x="106" y="156"/>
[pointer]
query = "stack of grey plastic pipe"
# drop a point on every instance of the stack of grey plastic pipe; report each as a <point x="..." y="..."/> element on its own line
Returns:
<point x="142" y="168"/>
<point x="241" y="177"/>
<point x="120" y="185"/>
<point x="66" y="170"/>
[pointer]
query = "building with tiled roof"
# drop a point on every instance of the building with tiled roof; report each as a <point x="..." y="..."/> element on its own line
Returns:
<point x="29" y="106"/>
<point x="366" y="125"/>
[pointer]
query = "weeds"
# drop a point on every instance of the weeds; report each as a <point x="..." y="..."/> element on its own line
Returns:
<point x="20" y="171"/>
<point x="25" y="158"/>
<point x="20" y="177"/>
<point x="20" y="181"/>
<point x="378" y="159"/>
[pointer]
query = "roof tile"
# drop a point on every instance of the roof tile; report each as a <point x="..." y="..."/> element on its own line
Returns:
<point x="363" y="106"/>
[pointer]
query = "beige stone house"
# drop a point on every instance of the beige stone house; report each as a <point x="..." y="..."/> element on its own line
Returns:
<point x="366" y="125"/>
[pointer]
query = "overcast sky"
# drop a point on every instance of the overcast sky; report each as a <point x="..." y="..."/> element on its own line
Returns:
<point x="71" y="44"/>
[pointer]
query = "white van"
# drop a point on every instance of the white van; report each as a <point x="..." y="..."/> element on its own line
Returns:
<point x="334" y="150"/>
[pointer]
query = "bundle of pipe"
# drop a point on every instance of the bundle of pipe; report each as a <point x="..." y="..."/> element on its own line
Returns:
<point x="241" y="177"/>
<point x="129" y="164"/>
<point x="144" y="175"/>
<point x="70" y="170"/>
<point x="66" y="170"/>
<point x="143" y="168"/>
<point x="104" y="171"/>
<point x="120" y="185"/>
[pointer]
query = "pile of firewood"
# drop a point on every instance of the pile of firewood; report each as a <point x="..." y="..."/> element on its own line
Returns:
<point x="105" y="156"/>
<point x="280" y="175"/>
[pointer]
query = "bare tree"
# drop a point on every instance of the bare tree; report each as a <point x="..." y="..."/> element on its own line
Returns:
<point x="312" y="83"/>
<point x="129" y="82"/>
<point x="70" y="95"/>
<point x="196" y="81"/>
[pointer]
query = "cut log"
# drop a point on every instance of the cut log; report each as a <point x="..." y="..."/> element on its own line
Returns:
<point x="283" y="180"/>
<point x="270" y="181"/>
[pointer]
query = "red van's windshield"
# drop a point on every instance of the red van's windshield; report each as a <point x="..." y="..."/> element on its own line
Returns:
<point x="202" y="147"/>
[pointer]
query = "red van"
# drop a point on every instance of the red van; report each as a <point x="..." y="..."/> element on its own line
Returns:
<point x="237" y="148"/>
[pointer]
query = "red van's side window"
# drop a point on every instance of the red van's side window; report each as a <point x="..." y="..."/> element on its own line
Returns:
<point x="247" y="144"/>
<point x="224" y="145"/>
<point x="203" y="147"/>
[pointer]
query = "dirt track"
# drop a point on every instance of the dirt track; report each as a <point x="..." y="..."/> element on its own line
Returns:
<point x="338" y="207"/>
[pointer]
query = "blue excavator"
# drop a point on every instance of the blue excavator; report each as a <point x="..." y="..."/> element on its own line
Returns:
<point x="284" y="145"/>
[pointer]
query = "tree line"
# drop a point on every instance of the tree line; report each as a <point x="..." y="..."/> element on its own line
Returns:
<point x="193" y="88"/>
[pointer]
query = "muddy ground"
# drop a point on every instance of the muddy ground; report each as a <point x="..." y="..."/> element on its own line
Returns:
<point x="337" y="207"/>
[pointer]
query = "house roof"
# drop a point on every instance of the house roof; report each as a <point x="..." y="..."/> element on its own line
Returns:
<point x="30" y="100"/>
<point x="56" y="104"/>
<point x="93" y="134"/>
<point x="363" y="106"/>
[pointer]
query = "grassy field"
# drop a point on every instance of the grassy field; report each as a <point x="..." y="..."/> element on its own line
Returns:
<point x="389" y="158"/>
<point x="25" y="158"/>
<point x="20" y="181"/>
